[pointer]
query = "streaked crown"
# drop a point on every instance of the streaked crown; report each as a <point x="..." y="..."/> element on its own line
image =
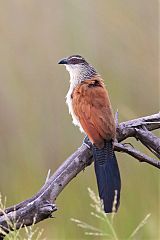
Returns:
<point x="74" y="59"/>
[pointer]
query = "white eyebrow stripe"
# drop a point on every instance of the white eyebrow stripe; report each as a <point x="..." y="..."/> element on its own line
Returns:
<point x="75" y="58"/>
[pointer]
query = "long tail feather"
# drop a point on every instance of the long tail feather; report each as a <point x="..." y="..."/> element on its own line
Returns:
<point x="108" y="176"/>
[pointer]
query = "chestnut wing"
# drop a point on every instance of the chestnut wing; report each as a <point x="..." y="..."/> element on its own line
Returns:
<point x="92" y="106"/>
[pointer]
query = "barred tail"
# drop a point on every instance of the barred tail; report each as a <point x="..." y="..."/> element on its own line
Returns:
<point x="108" y="176"/>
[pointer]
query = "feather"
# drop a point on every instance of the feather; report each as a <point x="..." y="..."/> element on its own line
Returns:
<point x="92" y="107"/>
<point x="108" y="176"/>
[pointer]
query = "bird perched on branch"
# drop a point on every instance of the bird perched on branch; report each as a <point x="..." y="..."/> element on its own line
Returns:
<point x="90" y="107"/>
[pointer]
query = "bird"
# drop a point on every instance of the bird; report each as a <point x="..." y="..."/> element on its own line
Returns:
<point x="90" y="107"/>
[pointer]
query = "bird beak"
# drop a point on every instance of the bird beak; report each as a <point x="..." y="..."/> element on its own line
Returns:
<point x="63" y="61"/>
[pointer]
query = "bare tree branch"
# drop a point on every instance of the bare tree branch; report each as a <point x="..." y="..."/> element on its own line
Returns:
<point x="40" y="206"/>
<point x="136" y="154"/>
<point x="149" y="140"/>
<point x="127" y="129"/>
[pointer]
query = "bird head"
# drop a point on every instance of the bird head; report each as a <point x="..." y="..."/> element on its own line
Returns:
<point x="73" y="60"/>
<point x="78" y="67"/>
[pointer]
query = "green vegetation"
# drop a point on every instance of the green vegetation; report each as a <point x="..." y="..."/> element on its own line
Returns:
<point x="108" y="231"/>
<point x="30" y="233"/>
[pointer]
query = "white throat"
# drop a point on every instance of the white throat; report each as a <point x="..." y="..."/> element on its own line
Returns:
<point x="78" y="73"/>
<point x="76" y="77"/>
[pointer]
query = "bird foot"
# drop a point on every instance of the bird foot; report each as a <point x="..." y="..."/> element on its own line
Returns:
<point x="87" y="142"/>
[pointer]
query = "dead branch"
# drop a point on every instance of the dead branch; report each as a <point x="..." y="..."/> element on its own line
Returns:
<point x="40" y="206"/>
<point x="141" y="157"/>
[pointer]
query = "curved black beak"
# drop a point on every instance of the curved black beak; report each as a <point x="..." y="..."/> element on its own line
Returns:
<point x="63" y="61"/>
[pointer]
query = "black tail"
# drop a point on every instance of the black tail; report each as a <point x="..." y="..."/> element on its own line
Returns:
<point x="108" y="176"/>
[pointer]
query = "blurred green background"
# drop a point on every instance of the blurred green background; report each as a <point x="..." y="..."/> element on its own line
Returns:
<point x="120" y="38"/>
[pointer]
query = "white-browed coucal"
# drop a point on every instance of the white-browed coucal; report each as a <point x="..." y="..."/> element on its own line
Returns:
<point x="91" y="110"/>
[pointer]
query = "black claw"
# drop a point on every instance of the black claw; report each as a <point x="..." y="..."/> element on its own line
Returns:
<point x="87" y="142"/>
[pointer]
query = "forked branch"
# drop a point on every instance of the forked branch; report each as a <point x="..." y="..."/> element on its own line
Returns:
<point x="40" y="206"/>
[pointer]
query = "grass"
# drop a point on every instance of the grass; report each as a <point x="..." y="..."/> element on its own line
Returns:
<point x="109" y="232"/>
<point x="30" y="232"/>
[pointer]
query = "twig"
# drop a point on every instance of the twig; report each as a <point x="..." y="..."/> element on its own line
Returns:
<point x="127" y="129"/>
<point x="136" y="154"/>
<point x="116" y="118"/>
<point x="148" y="139"/>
